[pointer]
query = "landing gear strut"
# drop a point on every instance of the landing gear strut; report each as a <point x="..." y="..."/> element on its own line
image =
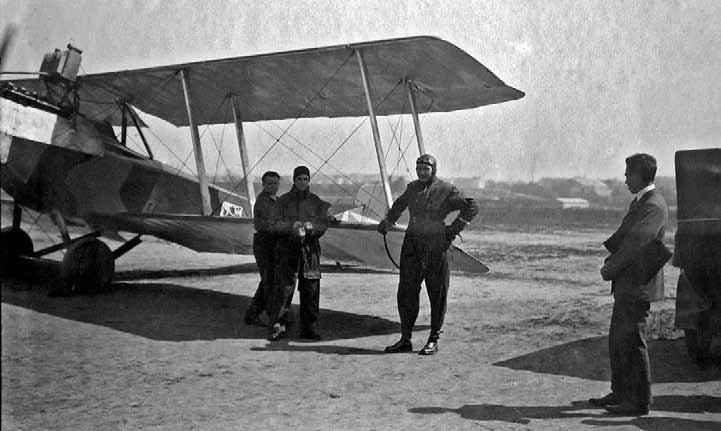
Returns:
<point x="87" y="267"/>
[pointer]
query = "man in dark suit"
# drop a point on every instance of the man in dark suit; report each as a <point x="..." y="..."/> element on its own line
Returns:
<point x="645" y="222"/>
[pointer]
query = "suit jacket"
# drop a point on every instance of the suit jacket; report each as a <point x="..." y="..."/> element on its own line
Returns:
<point x="645" y="221"/>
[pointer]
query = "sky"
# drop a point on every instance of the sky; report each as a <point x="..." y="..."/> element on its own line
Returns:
<point x="603" y="79"/>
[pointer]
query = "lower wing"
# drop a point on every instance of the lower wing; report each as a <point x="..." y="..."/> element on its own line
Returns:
<point x="234" y="235"/>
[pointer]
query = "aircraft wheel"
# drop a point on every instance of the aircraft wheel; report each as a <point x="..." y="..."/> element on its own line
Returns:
<point x="88" y="267"/>
<point x="15" y="242"/>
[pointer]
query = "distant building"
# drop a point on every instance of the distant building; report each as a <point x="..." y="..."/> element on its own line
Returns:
<point x="567" y="203"/>
<point x="473" y="183"/>
<point x="597" y="186"/>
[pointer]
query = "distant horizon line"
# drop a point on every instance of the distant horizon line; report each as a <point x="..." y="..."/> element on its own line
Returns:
<point x="358" y="174"/>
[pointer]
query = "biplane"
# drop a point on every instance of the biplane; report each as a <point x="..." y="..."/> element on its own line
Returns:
<point x="61" y="155"/>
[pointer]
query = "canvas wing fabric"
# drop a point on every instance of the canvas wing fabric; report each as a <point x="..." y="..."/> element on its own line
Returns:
<point x="319" y="82"/>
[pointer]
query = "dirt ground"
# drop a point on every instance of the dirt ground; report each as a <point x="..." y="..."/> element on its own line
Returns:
<point x="523" y="347"/>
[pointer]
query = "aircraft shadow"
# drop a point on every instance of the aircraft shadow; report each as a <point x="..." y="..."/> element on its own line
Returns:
<point x="578" y="409"/>
<point x="245" y="268"/>
<point x="172" y="312"/>
<point x="588" y="359"/>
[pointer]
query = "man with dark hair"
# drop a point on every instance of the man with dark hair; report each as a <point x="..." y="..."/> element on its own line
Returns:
<point x="303" y="220"/>
<point x="265" y="217"/>
<point x="423" y="255"/>
<point x="645" y="222"/>
<point x="644" y="165"/>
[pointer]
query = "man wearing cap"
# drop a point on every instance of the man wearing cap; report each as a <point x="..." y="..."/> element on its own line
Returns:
<point x="423" y="255"/>
<point x="303" y="220"/>
<point x="265" y="217"/>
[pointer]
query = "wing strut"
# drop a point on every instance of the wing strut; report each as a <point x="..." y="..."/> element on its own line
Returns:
<point x="374" y="127"/>
<point x="237" y="116"/>
<point x="134" y="116"/>
<point x="124" y="126"/>
<point x="197" y="150"/>
<point x="414" y="113"/>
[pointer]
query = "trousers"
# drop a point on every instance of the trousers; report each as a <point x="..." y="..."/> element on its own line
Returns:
<point x="309" y="290"/>
<point x="263" y="250"/>
<point x="628" y="352"/>
<point x="423" y="259"/>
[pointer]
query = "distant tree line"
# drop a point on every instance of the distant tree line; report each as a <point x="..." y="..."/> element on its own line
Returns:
<point x="610" y="193"/>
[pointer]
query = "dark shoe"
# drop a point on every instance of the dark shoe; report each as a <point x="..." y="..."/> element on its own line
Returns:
<point x="402" y="345"/>
<point x="276" y="332"/>
<point x="626" y="409"/>
<point x="608" y="400"/>
<point x="308" y="334"/>
<point x="430" y="348"/>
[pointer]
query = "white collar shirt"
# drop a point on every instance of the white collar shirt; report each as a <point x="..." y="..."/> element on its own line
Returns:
<point x="644" y="190"/>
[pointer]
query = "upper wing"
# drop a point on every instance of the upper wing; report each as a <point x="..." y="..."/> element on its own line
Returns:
<point x="319" y="82"/>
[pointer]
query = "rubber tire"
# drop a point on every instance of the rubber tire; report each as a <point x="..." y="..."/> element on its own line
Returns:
<point x="88" y="267"/>
<point x="13" y="243"/>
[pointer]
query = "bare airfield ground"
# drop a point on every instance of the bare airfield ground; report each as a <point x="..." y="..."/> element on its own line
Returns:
<point x="523" y="348"/>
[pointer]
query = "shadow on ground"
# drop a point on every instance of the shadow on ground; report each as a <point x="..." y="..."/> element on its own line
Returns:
<point x="513" y="414"/>
<point x="578" y="409"/>
<point x="327" y="349"/>
<point x="172" y="312"/>
<point x="588" y="359"/>
<point x="656" y="423"/>
<point x="245" y="268"/>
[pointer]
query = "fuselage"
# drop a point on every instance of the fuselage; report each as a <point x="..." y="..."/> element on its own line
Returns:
<point x="78" y="167"/>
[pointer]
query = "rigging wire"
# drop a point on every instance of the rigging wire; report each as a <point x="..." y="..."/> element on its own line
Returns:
<point x="174" y="177"/>
<point x="326" y="161"/>
<point x="403" y="155"/>
<point x="315" y="168"/>
<point x="388" y="94"/>
<point x="146" y="93"/>
<point x="305" y="107"/>
<point x="385" y="156"/>
<point x="302" y="111"/>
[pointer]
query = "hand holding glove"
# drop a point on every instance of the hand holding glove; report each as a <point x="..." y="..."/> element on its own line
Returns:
<point x="298" y="230"/>
<point x="308" y="226"/>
